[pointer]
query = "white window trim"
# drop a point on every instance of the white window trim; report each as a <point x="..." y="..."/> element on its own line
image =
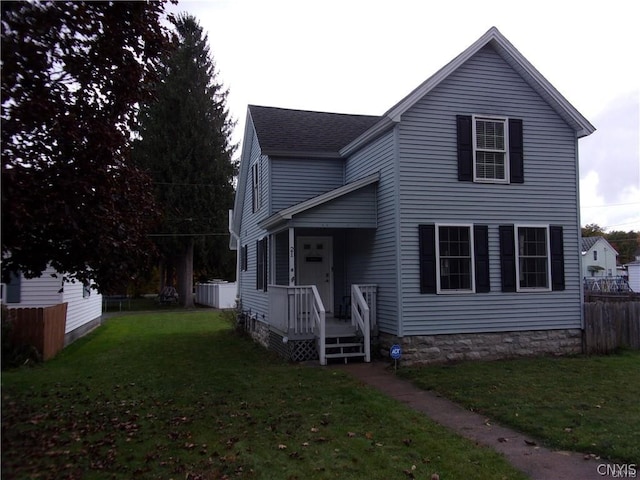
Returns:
<point x="517" y="251"/>
<point x="439" y="290"/>
<point x="507" y="174"/>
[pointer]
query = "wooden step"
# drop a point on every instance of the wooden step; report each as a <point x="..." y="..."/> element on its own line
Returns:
<point x="343" y="345"/>
<point x="344" y="355"/>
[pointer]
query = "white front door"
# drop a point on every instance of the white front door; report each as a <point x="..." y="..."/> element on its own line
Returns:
<point x="314" y="263"/>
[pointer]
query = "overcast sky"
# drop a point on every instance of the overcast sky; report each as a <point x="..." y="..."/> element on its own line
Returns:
<point x="363" y="56"/>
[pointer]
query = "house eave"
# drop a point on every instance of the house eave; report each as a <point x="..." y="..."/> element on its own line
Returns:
<point x="378" y="129"/>
<point x="302" y="154"/>
<point x="282" y="216"/>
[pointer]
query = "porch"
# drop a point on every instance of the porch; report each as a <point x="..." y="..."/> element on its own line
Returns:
<point x="302" y="329"/>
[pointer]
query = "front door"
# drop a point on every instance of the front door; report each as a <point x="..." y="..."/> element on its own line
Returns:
<point x="315" y="266"/>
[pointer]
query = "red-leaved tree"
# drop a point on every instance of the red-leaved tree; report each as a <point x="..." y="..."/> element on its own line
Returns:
<point x="73" y="74"/>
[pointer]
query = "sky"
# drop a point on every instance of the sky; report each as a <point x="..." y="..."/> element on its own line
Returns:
<point x="364" y="56"/>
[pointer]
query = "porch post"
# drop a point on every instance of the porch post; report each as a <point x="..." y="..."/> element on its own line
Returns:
<point x="292" y="257"/>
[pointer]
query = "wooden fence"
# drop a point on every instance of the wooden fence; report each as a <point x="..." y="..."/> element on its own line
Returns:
<point x="611" y="325"/>
<point x="42" y="327"/>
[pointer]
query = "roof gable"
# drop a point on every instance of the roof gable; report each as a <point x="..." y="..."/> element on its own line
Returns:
<point x="285" y="132"/>
<point x="589" y="242"/>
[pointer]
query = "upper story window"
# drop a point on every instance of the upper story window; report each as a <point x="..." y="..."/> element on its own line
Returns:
<point x="490" y="149"/>
<point x="256" y="190"/>
<point x="490" y="159"/>
<point x="595" y="255"/>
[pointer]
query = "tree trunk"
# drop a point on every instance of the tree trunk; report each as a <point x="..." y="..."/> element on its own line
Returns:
<point x="184" y="270"/>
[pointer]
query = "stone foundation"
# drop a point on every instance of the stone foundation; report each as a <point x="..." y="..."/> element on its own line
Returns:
<point x="426" y="349"/>
<point x="257" y="329"/>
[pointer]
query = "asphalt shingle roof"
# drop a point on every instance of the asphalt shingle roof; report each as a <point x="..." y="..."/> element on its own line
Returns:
<point x="588" y="242"/>
<point x="283" y="131"/>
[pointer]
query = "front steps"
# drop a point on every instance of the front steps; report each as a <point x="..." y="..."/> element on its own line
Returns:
<point x="343" y="343"/>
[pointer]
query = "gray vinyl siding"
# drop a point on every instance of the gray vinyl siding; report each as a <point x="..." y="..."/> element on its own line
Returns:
<point x="252" y="299"/>
<point x="354" y="210"/>
<point x="296" y="180"/>
<point x="431" y="193"/>
<point x="372" y="254"/>
<point x="282" y="258"/>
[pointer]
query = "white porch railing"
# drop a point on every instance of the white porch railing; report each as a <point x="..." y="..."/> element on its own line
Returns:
<point x="296" y="309"/>
<point x="361" y="314"/>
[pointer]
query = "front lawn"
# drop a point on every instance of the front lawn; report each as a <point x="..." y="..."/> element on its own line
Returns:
<point x="179" y="395"/>
<point x="585" y="404"/>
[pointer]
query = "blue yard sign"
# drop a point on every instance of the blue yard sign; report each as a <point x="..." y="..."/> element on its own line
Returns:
<point x="395" y="352"/>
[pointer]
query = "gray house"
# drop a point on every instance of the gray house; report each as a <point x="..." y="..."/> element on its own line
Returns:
<point x="448" y="225"/>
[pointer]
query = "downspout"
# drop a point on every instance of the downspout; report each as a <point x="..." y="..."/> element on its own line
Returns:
<point x="238" y="256"/>
<point x="579" y="252"/>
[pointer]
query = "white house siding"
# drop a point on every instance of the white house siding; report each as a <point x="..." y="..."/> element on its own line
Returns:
<point x="607" y="260"/>
<point x="48" y="290"/>
<point x="42" y="291"/>
<point x="430" y="193"/>
<point x="80" y="310"/>
<point x="299" y="179"/>
<point x="634" y="275"/>
<point x="372" y="254"/>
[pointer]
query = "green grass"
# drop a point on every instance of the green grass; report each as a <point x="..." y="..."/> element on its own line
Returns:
<point x="180" y="395"/>
<point x="585" y="404"/>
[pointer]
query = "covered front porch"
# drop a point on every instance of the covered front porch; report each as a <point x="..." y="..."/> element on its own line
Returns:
<point x="299" y="316"/>
<point x="316" y="257"/>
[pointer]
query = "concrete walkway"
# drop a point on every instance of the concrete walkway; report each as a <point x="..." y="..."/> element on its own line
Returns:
<point x="521" y="451"/>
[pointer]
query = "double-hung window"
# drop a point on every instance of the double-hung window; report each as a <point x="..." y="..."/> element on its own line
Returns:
<point x="455" y="258"/>
<point x="490" y="147"/>
<point x="533" y="266"/>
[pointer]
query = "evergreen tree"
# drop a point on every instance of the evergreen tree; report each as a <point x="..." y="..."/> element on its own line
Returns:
<point x="185" y="145"/>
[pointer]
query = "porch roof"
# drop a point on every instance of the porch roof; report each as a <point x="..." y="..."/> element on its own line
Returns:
<point x="283" y="216"/>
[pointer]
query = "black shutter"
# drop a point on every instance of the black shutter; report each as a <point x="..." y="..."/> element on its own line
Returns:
<point x="507" y="258"/>
<point x="259" y="265"/>
<point x="481" y="253"/>
<point x="465" y="148"/>
<point x="262" y="274"/>
<point x="557" y="258"/>
<point x="516" y="151"/>
<point x="427" y="251"/>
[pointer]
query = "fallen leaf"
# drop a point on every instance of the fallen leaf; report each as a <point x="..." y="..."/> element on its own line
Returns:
<point x="530" y="443"/>
<point x="282" y="447"/>
<point x="314" y="429"/>
<point x="502" y="440"/>
<point x="351" y="434"/>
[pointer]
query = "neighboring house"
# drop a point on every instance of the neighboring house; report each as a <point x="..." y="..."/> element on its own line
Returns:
<point x="84" y="304"/>
<point x="449" y="224"/>
<point x="599" y="258"/>
<point x="633" y="270"/>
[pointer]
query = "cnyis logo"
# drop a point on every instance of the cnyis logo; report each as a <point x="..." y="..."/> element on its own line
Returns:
<point x="628" y="470"/>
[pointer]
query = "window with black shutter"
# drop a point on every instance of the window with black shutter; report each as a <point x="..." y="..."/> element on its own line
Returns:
<point x="490" y="149"/>
<point x="454" y="258"/>
<point x="531" y="258"/>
